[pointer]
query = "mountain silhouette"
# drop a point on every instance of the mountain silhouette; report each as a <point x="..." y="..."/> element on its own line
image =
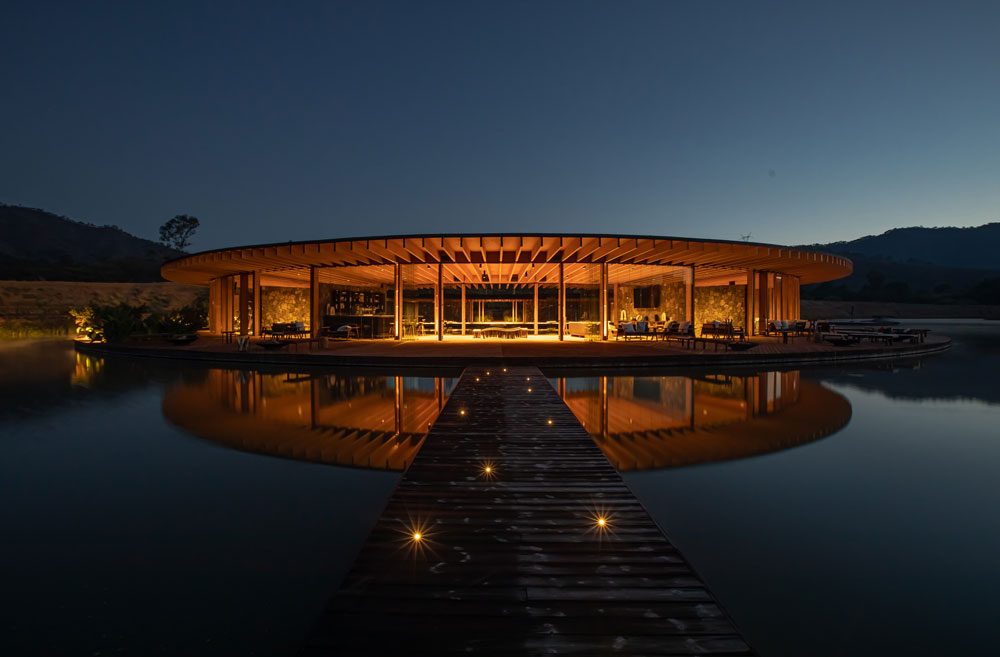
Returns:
<point x="930" y="265"/>
<point x="40" y="245"/>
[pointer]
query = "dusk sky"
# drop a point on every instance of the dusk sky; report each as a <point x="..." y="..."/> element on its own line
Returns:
<point x="796" y="122"/>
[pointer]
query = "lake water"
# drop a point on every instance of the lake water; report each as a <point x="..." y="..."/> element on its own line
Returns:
<point x="168" y="508"/>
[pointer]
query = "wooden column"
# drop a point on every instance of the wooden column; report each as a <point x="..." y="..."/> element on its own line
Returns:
<point x="244" y="304"/>
<point x="463" y="308"/>
<point x="797" y="284"/>
<point x="615" y="310"/>
<point x="257" y="310"/>
<point x="778" y="299"/>
<point x="315" y="316"/>
<point x="439" y="314"/>
<point x="213" y="306"/>
<point x="227" y="303"/>
<point x="536" y="309"/>
<point x="748" y="304"/>
<point x="604" y="301"/>
<point x="397" y="306"/>
<point x="562" y="301"/>
<point x="762" y="310"/>
<point x="689" y="301"/>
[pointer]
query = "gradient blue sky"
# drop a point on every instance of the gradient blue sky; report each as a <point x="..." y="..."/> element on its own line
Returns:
<point x="797" y="122"/>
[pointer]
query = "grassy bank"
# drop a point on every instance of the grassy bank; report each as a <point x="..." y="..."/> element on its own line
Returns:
<point x="862" y="309"/>
<point x="34" y="309"/>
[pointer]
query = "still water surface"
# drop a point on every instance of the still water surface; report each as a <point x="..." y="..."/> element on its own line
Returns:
<point x="164" y="508"/>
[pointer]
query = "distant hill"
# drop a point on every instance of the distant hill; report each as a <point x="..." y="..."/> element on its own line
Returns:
<point x="39" y="245"/>
<point x="969" y="248"/>
<point x="922" y="265"/>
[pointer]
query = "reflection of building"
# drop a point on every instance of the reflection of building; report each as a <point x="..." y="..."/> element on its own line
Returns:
<point x="654" y="422"/>
<point x="405" y="287"/>
<point x="365" y="421"/>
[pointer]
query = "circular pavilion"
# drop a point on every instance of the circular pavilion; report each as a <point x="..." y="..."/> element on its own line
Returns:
<point x="538" y="286"/>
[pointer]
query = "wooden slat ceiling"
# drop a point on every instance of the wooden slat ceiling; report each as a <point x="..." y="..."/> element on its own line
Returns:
<point x="506" y="259"/>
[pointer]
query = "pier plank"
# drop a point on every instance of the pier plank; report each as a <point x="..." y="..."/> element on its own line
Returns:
<point x="513" y="561"/>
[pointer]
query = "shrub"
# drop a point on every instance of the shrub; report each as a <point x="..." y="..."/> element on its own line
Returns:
<point x="115" y="322"/>
<point x="109" y="322"/>
<point x="186" y="319"/>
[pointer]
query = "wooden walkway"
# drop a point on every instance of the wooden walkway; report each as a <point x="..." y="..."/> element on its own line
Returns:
<point x="514" y="561"/>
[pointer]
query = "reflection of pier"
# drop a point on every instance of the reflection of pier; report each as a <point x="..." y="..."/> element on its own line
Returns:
<point x="654" y="422"/>
<point x="547" y="552"/>
<point x="370" y="421"/>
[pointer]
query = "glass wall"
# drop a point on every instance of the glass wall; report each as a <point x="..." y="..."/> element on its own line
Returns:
<point x="419" y="282"/>
<point x="652" y="293"/>
<point x="358" y="301"/>
<point x="583" y="301"/>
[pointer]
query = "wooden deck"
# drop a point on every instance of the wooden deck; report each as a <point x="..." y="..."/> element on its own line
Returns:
<point x="514" y="561"/>
<point x="575" y="353"/>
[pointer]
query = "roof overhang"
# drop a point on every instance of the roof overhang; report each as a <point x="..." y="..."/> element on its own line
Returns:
<point x="506" y="258"/>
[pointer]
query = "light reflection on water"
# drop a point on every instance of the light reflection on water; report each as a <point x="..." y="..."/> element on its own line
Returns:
<point x="140" y="505"/>
<point x="361" y="421"/>
<point x="649" y="422"/>
<point x="127" y="534"/>
<point x="879" y="540"/>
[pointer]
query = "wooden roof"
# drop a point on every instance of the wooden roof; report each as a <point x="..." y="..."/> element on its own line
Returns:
<point x="504" y="259"/>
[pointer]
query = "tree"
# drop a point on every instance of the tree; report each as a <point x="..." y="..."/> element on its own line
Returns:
<point x="177" y="232"/>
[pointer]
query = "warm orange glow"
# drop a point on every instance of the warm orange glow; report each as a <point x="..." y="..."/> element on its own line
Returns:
<point x="580" y="255"/>
<point x="505" y="369"/>
<point x="602" y="523"/>
<point x="527" y="378"/>
<point x="550" y="421"/>
<point x="417" y="538"/>
<point x="529" y="389"/>
<point x="487" y="470"/>
<point x="461" y="412"/>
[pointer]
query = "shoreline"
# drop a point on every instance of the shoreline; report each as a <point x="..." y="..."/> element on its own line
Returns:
<point x="822" y="309"/>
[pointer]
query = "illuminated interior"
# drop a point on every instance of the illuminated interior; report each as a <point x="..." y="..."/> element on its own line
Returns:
<point x="500" y="286"/>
